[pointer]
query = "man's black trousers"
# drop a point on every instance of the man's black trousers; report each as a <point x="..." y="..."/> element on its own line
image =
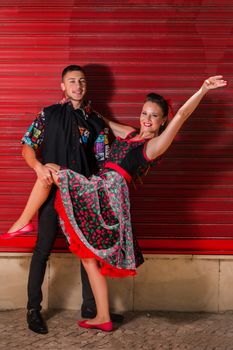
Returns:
<point x="47" y="232"/>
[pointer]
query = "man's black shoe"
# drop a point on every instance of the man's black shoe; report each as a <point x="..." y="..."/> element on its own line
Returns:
<point x="87" y="312"/>
<point x="35" y="322"/>
<point x="116" y="317"/>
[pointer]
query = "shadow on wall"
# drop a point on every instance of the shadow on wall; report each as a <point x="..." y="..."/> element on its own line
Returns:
<point x="101" y="87"/>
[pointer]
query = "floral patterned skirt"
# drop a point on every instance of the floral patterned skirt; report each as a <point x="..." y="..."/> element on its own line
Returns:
<point x="95" y="217"/>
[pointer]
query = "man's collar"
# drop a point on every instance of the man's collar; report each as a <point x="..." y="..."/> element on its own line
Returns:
<point x="85" y="107"/>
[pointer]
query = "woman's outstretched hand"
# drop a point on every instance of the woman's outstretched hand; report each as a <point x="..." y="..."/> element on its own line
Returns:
<point x="214" y="82"/>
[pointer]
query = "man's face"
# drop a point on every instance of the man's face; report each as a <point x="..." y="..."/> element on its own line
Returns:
<point x="74" y="86"/>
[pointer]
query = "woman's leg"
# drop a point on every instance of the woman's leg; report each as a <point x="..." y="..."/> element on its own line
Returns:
<point x="37" y="197"/>
<point x="100" y="290"/>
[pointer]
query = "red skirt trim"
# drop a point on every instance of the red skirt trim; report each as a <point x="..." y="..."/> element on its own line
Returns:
<point x="119" y="169"/>
<point x="78" y="247"/>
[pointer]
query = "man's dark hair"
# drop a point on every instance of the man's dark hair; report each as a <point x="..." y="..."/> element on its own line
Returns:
<point x="71" y="68"/>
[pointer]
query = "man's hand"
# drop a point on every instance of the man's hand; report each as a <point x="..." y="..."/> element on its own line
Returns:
<point x="44" y="174"/>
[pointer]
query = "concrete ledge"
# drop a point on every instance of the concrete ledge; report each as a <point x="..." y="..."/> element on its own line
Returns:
<point x="164" y="282"/>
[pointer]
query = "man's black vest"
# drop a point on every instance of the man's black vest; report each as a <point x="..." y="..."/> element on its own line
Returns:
<point x="63" y="143"/>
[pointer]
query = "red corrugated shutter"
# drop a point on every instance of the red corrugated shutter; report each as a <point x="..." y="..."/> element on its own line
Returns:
<point x="129" y="48"/>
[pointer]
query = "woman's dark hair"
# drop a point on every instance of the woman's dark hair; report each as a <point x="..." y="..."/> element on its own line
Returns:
<point x="162" y="103"/>
<point x="159" y="100"/>
<point x="71" y="68"/>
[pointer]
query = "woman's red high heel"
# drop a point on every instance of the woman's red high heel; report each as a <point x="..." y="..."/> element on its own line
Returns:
<point x="26" y="229"/>
<point x="106" y="327"/>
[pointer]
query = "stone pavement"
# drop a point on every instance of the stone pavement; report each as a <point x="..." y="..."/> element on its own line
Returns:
<point x="141" y="330"/>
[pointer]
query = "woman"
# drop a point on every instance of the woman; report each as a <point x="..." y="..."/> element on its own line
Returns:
<point x="94" y="213"/>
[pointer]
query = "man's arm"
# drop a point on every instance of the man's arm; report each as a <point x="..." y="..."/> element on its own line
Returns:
<point x="43" y="172"/>
<point x="32" y="140"/>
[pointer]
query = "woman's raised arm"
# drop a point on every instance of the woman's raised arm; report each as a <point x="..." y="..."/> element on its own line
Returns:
<point x="159" y="144"/>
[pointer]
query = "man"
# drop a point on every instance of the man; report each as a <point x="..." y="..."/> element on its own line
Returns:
<point x="66" y="134"/>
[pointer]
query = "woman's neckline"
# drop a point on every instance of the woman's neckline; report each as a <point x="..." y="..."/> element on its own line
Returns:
<point x="128" y="138"/>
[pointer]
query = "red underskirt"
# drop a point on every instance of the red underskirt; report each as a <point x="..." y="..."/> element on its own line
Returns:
<point x="78" y="247"/>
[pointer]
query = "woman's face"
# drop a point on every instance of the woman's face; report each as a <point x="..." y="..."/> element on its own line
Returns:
<point x="151" y="117"/>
